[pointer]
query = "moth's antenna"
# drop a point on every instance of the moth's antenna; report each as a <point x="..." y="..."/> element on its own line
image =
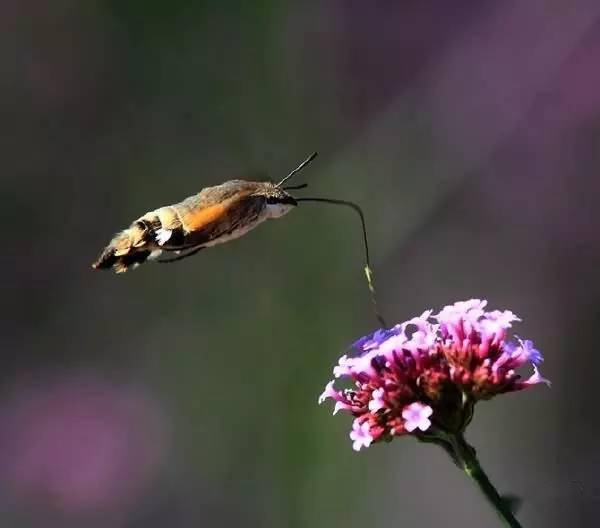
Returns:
<point x="298" y="168"/>
<point x="368" y="270"/>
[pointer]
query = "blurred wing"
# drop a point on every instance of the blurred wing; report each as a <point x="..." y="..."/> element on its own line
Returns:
<point x="201" y="218"/>
<point x="220" y="222"/>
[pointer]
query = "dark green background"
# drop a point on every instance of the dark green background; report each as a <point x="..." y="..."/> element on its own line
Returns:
<point x="468" y="132"/>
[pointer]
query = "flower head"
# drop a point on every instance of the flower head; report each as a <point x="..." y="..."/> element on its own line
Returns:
<point x="426" y="374"/>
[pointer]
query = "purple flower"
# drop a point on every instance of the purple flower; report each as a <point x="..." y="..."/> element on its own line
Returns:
<point x="329" y="392"/>
<point x="416" y="416"/>
<point x="373" y="340"/>
<point x="536" y="378"/>
<point x="525" y="351"/>
<point x="426" y="374"/>
<point x="360" y="435"/>
<point x="377" y="400"/>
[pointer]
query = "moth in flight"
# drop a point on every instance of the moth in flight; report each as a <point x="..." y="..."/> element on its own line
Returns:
<point x="213" y="216"/>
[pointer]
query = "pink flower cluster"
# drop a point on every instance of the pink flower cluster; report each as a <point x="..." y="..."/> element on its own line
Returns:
<point x="426" y="374"/>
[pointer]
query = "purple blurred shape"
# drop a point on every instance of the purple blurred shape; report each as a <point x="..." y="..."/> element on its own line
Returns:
<point x="80" y="445"/>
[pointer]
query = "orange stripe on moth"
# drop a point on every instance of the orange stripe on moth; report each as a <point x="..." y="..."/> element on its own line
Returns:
<point x="198" y="219"/>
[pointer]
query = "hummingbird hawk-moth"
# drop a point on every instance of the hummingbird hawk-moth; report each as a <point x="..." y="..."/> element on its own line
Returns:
<point x="213" y="216"/>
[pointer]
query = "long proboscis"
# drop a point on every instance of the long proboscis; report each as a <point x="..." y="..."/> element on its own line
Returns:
<point x="368" y="270"/>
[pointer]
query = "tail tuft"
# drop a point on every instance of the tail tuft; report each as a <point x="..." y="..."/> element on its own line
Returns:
<point x="106" y="260"/>
<point x="125" y="251"/>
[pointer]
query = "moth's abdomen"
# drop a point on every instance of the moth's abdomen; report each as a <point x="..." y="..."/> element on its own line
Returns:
<point x="131" y="247"/>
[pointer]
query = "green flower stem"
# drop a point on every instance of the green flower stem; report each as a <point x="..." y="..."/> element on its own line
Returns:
<point x="466" y="459"/>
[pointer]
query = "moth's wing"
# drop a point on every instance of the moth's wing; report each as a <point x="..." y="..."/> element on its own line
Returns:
<point x="169" y="226"/>
<point x="203" y="224"/>
<point x="229" y="189"/>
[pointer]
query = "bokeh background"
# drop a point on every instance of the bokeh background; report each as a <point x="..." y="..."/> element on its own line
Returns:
<point x="185" y="396"/>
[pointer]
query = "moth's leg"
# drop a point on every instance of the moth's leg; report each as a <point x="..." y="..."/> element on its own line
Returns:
<point x="180" y="257"/>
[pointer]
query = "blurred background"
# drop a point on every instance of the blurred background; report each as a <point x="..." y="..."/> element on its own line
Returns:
<point x="185" y="395"/>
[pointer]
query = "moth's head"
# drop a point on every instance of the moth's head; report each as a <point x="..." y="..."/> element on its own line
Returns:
<point x="279" y="202"/>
